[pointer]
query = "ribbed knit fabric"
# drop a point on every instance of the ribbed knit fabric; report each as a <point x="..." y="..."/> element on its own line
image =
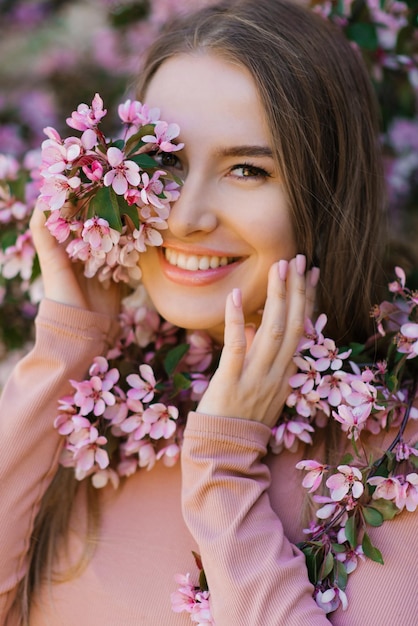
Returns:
<point x="242" y="511"/>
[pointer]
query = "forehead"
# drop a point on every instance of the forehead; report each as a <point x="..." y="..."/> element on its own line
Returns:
<point x="206" y="93"/>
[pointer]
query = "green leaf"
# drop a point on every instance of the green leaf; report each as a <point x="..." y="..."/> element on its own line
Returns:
<point x="347" y="459"/>
<point x="145" y="162"/>
<point x="372" y="516"/>
<point x="364" y="34"/>
<point x="351" y="531"/>
<point x="119" y="143"/>
<point x="174" y="357"/>
<point x="327" y="565"/>
<point x="338" y="547"/>
<point x="126" y="14"/>
<point x="340" y="574"/>
<point x="370" y="550"/>
<point x="105" y="204"/>
<point x="180" y="381"/>
<point x="131" y="211"/>
<point x="386" y="508"/>
<point x="8" y="239"/>
<point x="356" y="349"/>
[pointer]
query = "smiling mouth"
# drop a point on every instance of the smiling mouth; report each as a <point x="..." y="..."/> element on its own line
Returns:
<point x="194" y="262"/>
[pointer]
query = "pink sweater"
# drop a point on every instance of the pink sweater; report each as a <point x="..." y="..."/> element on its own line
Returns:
<point x="241" y="512"/>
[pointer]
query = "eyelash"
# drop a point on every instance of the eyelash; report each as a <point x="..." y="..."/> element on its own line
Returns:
<point x="166" y="155"/>
<point x="255" y="172"/>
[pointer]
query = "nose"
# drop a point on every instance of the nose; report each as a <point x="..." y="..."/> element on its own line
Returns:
<point x="194" y="210"/>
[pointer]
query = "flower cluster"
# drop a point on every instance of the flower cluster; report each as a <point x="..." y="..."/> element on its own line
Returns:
<point x="123" y="417"/>
<point x="191" y="598"/>
<point x="363" y="397"/>
<point x="107" y="199"/>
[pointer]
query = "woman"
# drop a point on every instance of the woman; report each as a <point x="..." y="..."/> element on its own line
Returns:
<point x="281" y="175"/>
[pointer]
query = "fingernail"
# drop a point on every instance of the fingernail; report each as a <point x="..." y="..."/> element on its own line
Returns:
<point x="283" y="265"/>
<point x="300" y="264"/>
<point x="236" y="297"/>
<point x="314" y="276"/>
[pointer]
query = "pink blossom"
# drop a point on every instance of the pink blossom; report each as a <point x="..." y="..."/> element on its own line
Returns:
<point x="9" y="167"/>
<point x="143" y="386"/>
<point x="331" y="599"/>
<point x="199" y="355"/>
<point x="146" y="455"/>
<point x="87" y="117"/>
<point x="93" y="171"/>
<point x="352" y="419"/>
<point x="56" y="154"/>
<point x="348" y="479"/>
<point x="164" y="133"/>
<point x="88" y="452"/>
<point x="306" y="404"/>
<point x="308" y="377"/>
<point x="170" y="454"/>
<point x="92" y="396"/>
<point x="199" y="384"/>
<point x="59" y="227"/>
<point x="101" y="478"/>
<point x="191" y="599"/>
<point x="334" y="387"/>
<point x="134" y="112"/>
<point x="350" y="558"/>
<point x="162" y="418"/>
<point x="56" y="189"/>
<point x="148" y="234"/>
<point x="184" y="598"/>
<point x="123" y="172"/>
<point x="407" y="340"/>
<point x="386" y="488"/>
<point x="328" y="355"/>
<point x="312" y="334"/>
<point x="98" y="234"/>
<point x="403" y="451"/>
<point x="363" y="392"/>
<point x="288" y="434"/>
<point x="137" y="424"/>
<point x="328" y="509"/>
<point x="314" y="476"/>
<point x="18" y="259"/>
<point x="152" y="188"/>
<point x="398" y="285"/>
<point x="407" y="496"/>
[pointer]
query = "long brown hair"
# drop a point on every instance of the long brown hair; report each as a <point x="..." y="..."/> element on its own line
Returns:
<point x="322" y="116"/>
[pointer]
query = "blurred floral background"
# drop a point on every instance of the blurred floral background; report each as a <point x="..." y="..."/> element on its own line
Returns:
<point x="57" y="54"/>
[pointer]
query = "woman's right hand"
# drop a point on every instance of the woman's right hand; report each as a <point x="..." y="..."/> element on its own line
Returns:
<point x="64" y="280"/>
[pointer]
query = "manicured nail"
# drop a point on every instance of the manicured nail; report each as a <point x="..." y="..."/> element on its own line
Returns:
<point x="314" y="276"/>
<point x="300" y="264"/>
<point x="237" y="298"/>
<point x="283" y="265"/>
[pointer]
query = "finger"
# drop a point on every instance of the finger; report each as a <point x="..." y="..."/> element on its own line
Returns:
<point x="311" y="289"/>
<point x="250" y="330"/>
<point x="272" y="330"/>
<point x="235" y="343"/>
<point x="60" y="282"/>
<point x="296" y="304"/>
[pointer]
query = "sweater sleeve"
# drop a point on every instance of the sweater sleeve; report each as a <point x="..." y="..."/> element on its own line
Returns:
<point x="67" y="339"/>
<point x="255" y="575"/>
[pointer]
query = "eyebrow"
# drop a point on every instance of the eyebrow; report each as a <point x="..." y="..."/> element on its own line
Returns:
<point x="243" y="151"/>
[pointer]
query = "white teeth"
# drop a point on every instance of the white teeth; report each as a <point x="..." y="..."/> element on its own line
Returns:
<point x="193" y="262"/>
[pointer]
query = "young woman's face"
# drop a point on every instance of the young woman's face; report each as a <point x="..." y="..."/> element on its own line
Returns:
<point x="231" y="221"/>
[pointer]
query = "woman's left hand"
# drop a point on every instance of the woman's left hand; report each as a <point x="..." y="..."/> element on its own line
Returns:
<point x="251" y="381"/>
